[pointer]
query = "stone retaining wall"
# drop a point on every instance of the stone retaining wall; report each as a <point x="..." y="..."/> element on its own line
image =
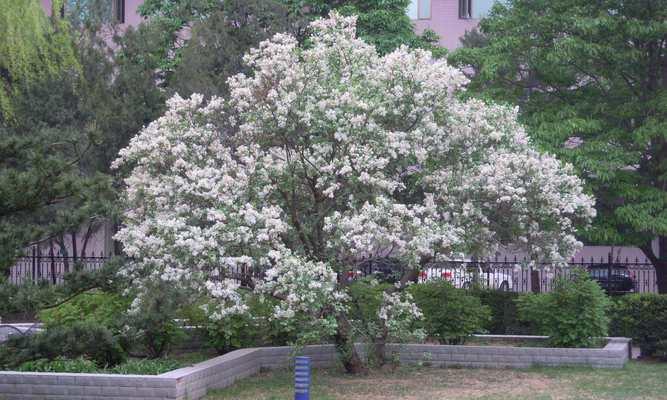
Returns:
<point x="614" y="355"/>
<point x="191" y="383"/>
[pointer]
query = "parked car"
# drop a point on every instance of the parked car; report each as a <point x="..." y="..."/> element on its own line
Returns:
<point x="614" y="279"/>
<point x="469" y="274"/>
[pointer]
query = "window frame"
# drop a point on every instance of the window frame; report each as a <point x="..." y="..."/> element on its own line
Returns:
<point x="465" y="9"/>
<point x="119" y="11"/>
<point x="419" y="8"/>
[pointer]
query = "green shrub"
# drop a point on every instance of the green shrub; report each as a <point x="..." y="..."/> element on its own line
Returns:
<point x="79" y="365"/>
<point x="365" y="302"/>
<point x="367" y="298"/>
<point x="151" y="326"/>
<point x="574" y="314"/>
<point x="504" y="314"/>
<point x="253" y="329"/>
<point x="642" y="317"/>
<point x="233" y="332"/>
<point x="661" y="350"/>
<point x="22" y="302"/>
<point x="83" y="365"/>
<point x="94" y="306"/>
<point x="450" y="314"/>
<point x="145" y="367"/>
<point x="82" y="339"/>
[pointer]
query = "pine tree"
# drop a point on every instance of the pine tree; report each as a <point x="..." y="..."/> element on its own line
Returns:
<point x="46" y="186"/>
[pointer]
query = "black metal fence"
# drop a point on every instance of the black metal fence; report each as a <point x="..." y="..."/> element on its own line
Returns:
<point x="502" y="274"/>
<point x="47" y="267"/>
<point x="615" y="276"/>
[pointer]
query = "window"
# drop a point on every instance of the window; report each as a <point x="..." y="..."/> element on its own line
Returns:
<point x="481" y="8"/>
<point x="475" y="8"/>
<point x="79" y="12"/>
<point x="119" y="11"/>
<point x="465" y="9"/>
<point x="419" y="9"/>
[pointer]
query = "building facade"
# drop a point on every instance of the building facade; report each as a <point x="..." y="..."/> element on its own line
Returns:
<point x="125" y="12"/>
<point x="450" y="19"/>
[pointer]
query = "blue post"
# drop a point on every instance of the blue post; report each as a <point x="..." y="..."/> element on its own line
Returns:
<point x="302" y="378"/>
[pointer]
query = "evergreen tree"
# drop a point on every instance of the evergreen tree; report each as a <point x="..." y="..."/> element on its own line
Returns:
<point x="31" y="50"/>
<point x="219" y="42"/>
<point x="47" y="185"/>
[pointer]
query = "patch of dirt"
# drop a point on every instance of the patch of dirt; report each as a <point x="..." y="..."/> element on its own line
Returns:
<point x="441" y="384"/>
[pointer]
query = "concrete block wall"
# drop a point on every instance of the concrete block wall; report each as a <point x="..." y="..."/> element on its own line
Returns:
<point x="614" y="355"/>
<point x="61" y="386"/>
<point x="192" y="383"/>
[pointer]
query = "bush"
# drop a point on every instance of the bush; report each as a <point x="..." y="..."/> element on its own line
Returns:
<point x="22" y="302"/>
<point x="234" y="332"/>
<point x="253" y="329"/>
<point x="145" y="367"/>
<point x="642" y="317"/>
<point x="369" y="299"/>
<point x="365" y="302"/>
<point x="661" y="350"/>
<point x="450" y="314"/>
<point x="80" y="365"/>
<point x="504" y="314"/>
<point x="574" y="314"/>
<point x="83" y="365"/>
<point x="82" y="339"/>
<point x="152" y="324"/>
<point x="94" y="306"/>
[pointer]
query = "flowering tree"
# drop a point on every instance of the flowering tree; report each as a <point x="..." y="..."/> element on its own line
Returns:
<point x="327" y="155"/>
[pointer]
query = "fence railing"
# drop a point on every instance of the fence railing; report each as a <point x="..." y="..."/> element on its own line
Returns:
<point x="616" y="276"/>
<point x="502" y="274"/>
<point x="38" y="267"/>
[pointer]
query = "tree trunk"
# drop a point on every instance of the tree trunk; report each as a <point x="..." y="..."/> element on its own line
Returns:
<point x="661" y="265"/>
<point x="661" y="275"/>
<point x="659" y="262"/>
<point x="345" y="347"/>
<point x="378" y="355"/>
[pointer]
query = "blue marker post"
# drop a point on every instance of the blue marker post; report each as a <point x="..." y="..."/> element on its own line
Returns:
<point x="302" y="378"/>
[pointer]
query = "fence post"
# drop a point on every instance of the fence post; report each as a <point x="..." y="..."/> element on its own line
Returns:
<point x="534" y="280"/>
<point x="302" y="378"/>
<point x="609" y="268"/>
<point x="54" y="279"/>
<point x="34" y="265"/>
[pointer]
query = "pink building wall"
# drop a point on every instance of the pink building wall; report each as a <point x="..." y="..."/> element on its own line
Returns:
<point x="444" y="20"/>
<point x="132" y="17"/>
<point x="446" y="23"/>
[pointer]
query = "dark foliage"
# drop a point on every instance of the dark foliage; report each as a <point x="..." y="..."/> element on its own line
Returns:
<point x="82" y="339"/>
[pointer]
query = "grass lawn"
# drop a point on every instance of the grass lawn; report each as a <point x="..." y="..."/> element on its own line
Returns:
<point x="638" y="380"/>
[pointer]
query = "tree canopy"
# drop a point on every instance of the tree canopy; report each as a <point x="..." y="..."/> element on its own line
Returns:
<point x="69" y="103"/>
<point x="591" y="82"/>
<point x="234" y="25"/>
<point x="31" y="50"/>
<point x="218" y="43"/>
<point x="326" y="154"/>
<point x="41" y="141"/>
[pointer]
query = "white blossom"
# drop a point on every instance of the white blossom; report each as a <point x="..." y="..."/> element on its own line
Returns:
<point x="327" y="154"/>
